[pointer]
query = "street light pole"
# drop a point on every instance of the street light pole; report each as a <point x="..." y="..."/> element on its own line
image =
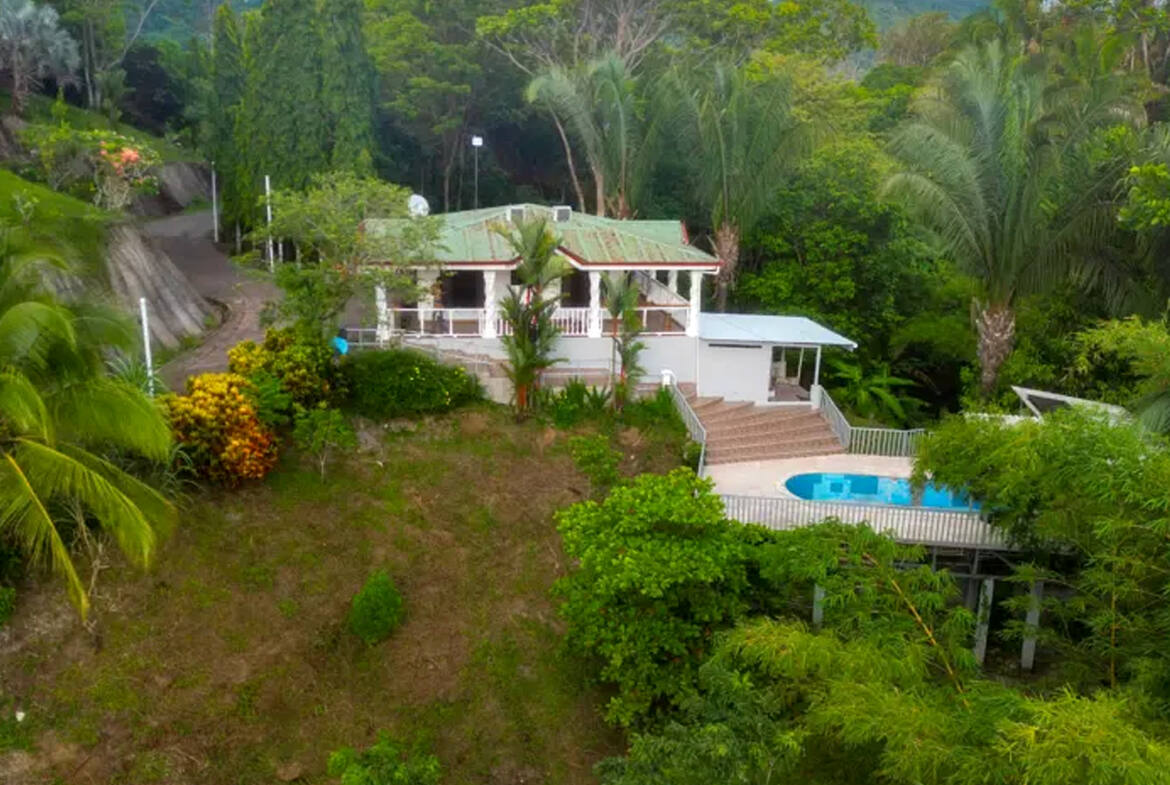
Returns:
<point x="476" y="143"/>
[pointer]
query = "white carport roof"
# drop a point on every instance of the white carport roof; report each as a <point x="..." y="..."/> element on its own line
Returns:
<point x="758" y="328"/>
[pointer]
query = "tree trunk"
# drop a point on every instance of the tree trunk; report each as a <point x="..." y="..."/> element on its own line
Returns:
<point x="572" y="165"/>
<point x="996" y="325"/>
<point x="598" y="188"/>
<point x="727" y="249"/>
<point x="19" y="84"/>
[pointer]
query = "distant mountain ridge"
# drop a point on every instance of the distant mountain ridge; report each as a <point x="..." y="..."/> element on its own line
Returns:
<point x="887" y="13"/>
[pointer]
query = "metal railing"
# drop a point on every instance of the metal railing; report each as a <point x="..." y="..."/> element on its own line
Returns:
<point x="572" y="321"/>
<point x="691" y="420"/>
<point x="888" y="442"/>
<point x="917" y="525"/>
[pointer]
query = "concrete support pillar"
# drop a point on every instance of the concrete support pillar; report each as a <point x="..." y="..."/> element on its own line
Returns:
<point x="385" y="323"/>
<point x="594" y="327"/>
<point x="696" y="303"/>
<point x="818" y="615"/>
<point x="488" y="330"/>
<point x="983" y="618"/>
<point x="817" y="368"/>
<point x="1032" y="620"/>
<point x="672" y="281"/>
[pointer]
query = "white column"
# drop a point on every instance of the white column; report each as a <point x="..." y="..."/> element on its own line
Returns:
<point x="426" y="298"/>
<point x="672" y="281"/>
<point x="489" y="304"/>
<point x="594" y="305"/>
<point x="384" y="328"/>
<point x="817" y="368"/>
<point x="696" y="303"/>
<point x="1032" y="621"/>
<point x="983" y="618"/>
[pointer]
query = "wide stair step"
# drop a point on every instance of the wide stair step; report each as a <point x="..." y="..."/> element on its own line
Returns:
<point x="769" y="434"/>
<point x="773" y="452"/>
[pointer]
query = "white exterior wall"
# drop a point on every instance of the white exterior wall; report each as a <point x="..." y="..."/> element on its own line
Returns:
<point x="735" y="372"/>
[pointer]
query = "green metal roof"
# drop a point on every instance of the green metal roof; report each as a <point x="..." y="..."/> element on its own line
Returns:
<point x="469" y="237"/>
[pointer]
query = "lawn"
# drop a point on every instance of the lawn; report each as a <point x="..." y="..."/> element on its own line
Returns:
<point x="230" y="663"/>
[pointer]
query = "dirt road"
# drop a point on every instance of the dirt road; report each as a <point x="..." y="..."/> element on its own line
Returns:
<point x="186" y="238"/>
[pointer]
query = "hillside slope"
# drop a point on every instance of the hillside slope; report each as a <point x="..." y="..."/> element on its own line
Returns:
<point x="887" y="13"/>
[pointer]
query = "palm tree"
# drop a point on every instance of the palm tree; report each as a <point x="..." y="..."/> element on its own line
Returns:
<point x="873" y="395"/>
<point x="33" y="46"/>
<point x="599" y="102"/>
<point x="620" y="294"/>
<point x="531" y="335"/>
<point x="748" y="136"/>
<point x="992" y="167"/>
<point x="60" y="417"/>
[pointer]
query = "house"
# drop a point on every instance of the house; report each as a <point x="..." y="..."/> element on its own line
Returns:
<point x="739" y="357"/>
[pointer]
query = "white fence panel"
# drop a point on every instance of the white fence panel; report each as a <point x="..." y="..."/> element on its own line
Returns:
<point x="917" y="525"/>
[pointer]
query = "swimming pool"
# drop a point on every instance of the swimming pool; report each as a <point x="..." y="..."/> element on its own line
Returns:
<point x="870" y="489"/>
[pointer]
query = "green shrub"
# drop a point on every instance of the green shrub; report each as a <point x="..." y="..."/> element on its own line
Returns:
<point x="321" y="431"/>
<point x="597" y="460"/>
<point x="273" y="403"/>
<point x="658" y="572"/>
<point x="657" y="411"/>
<point x="574" y="403"/>
<point x="7" y="603"/>
<point x="691" y="453"/>
<point x="385" y="763"/>
<point x="399" y="383"/>
<point x="377" y="609"/>
<point x="303" y="364"/>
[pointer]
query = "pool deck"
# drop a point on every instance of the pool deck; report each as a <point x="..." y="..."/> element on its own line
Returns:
<point x="766" y="478"/>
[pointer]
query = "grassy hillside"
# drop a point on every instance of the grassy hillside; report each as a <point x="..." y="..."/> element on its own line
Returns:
<point x="40" y="111"/>
<point x="56" y="217"/>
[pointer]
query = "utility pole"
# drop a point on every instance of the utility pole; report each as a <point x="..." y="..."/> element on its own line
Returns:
<point x="214" y="206"/>
<point x="476" y="143"/>
<point x="146" y="345"/>
<point x="268" y="208"/>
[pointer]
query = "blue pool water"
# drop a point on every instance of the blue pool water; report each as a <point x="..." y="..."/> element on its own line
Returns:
<point x="869" y="489"/>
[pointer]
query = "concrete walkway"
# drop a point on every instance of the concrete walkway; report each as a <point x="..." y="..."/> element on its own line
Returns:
<point x="186" y="238"/>
<point x="766" y="478"/>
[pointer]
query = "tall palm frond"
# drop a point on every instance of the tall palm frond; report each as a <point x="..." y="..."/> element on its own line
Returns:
<point x="58" y="412"/>
<point x="985" y="167"/>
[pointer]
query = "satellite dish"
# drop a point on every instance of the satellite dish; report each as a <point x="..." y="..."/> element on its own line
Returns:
<point x="418" y="205"/>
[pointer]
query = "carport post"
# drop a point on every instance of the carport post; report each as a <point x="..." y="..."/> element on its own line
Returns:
<point x="817" y="368"/>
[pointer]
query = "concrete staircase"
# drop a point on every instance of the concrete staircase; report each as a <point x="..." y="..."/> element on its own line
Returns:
<point x="742" y="431"/>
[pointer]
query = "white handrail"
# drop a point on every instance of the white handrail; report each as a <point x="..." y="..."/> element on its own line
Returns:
<point x="889" y="442"/>
<point x="694" y="425"/>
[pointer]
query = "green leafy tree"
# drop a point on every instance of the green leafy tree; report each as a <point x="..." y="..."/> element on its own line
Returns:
<point x="60" y="415"/>
<point x="986" y="167"/>
<point x="659" y="570"/>
<point x="323" y="432"/>
<point x="919" y="40"/>
<point x="531" y="336"/>
<point x="1088" y="497"/>
<point x="284" y="126"/>
<point x="32" y="47"/>
<point x="224" y="104"/>
<point x="829" y="248"/>
<point x="1146" y="347"/>
<point x="337" y="255"/>
<point x="347" y="87"/>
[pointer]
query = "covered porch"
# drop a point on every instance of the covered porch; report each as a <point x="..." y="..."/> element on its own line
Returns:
<point x="465" y="303"/>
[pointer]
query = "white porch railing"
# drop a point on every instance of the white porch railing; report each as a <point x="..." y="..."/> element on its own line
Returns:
<point x="918" y="525"/>
<point x="889" y="442"/>
<point x="573" y="322"/>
